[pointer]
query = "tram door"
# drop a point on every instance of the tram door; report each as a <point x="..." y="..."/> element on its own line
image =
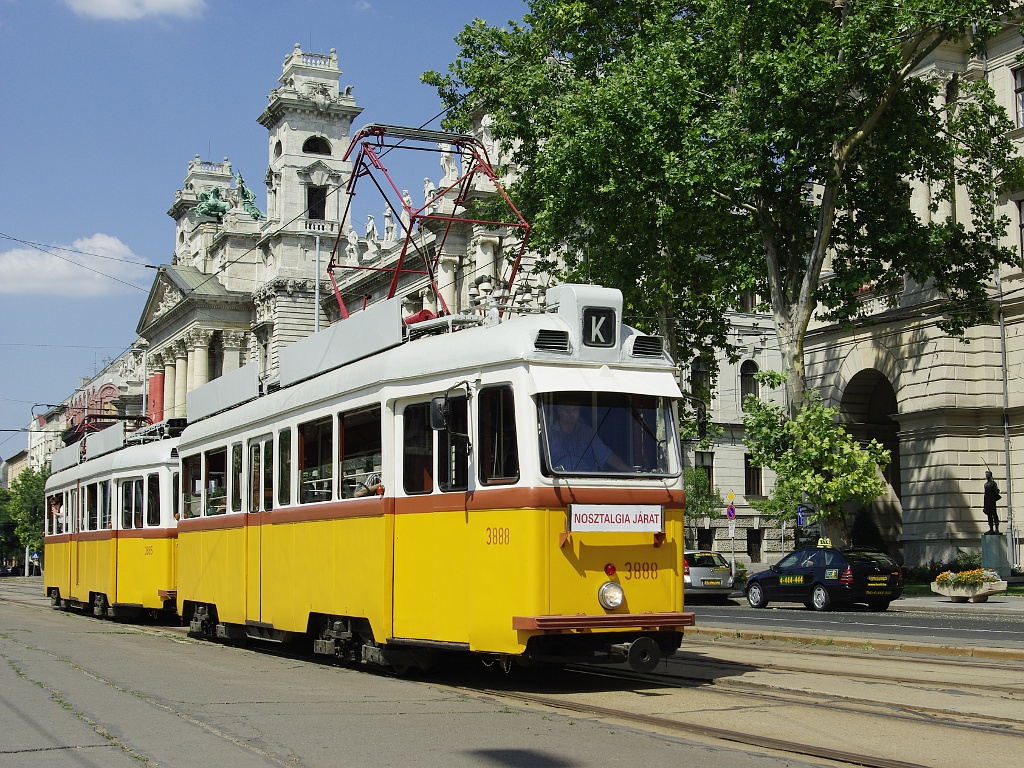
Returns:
<point x="74" y="528"/>
<point x="260" y="499"/>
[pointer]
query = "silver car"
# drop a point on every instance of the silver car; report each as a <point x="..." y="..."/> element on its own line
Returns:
<point x="707" y="573"/>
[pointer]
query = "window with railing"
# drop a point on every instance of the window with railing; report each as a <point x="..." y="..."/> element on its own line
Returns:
<point x="748" y="381"/>
<point x="1018" y="95"/>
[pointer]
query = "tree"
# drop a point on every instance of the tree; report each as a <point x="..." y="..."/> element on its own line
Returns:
<point x="701" y="499"/>
<point x="818" y="464"/>
<point x="685" y="151"/>
<point x="8" y="539"/>
<point x="27" y="506"/>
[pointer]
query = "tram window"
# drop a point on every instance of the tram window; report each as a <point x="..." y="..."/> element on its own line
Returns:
<point x="137" y="501"/>
<point x="254" y="477"/>
<point x="284" y="470"/>
<point x="236" y="477"/>
<point x="131" y="504"/>
<point x="608" y="433"/>
<point x="55" y="520"/>
<point x="92" y="507"/>
<point x="453" y="447"/>
<point x="268" y="475"/>
<point x="175" y="497"/>
<point x="105" y="521"/>
<point x="359" y="459"/>
<point x="315" y="463"/>
<point x="216" y="482"/>
<point x="498" y="446"/>
<point x="153" y="499"/>
<point x="417" y="449"/>
<point x="72" y="514"/>
<point x="193" y="490"/>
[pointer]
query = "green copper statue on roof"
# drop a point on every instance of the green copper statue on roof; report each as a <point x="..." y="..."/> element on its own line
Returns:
<point x="210" y="204"/>
<point x="248" y="198"/>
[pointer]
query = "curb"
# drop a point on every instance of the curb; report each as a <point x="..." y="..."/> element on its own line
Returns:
<point x="881" y="644"/>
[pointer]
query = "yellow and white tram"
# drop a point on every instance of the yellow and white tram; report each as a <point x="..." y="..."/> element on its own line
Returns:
<point x="507" y="486"/>
<point x="110" y="531"/>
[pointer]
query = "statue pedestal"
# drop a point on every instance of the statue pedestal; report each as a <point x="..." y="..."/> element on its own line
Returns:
<point x="994" y="555"/>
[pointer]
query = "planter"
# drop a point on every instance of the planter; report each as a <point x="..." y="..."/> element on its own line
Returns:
<point x="976" y="593"/>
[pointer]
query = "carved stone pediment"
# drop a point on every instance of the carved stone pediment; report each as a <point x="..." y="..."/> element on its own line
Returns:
<point x="320" y="174"/>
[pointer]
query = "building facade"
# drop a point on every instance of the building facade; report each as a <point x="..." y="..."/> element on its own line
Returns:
<point x="948" y="408"/>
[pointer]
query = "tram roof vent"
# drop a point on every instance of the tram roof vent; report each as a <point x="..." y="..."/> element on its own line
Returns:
<point x="648" y="346"/>
<point x="552" y="341"/>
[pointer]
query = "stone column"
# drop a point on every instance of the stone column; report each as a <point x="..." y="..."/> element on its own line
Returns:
<point x="234" y="343"/>
<point x="155" y="389"/>
<point x="169" y="371"/>
<point x="180" y="377"/>
<point x="199" y="364"/>
<point x="447" y="263"/>
<point x="190" y="362"/>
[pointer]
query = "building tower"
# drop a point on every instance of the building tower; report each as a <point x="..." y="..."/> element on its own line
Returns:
<point x="308" y="120"/>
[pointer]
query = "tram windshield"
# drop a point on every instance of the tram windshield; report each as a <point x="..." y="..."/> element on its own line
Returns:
<point x="608" y="433"/>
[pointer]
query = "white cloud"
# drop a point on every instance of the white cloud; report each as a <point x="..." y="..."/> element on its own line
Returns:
<point x="135" y="9"/>
<point x="100" y="265"/>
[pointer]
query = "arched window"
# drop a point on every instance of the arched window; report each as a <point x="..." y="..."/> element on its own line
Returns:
<point x="748" y="380"/>
<point x="316" y="145"/>
<point x="700" y="379"/>
<point x="277" y="150"/>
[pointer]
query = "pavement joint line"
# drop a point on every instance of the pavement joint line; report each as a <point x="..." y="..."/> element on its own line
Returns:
<point x="881" y="644"/>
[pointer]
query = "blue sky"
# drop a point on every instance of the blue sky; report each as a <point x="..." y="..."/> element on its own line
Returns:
<point x="104" y="104"/>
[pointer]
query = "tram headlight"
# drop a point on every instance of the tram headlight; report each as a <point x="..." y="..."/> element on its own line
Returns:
<point x="610" y="595"/>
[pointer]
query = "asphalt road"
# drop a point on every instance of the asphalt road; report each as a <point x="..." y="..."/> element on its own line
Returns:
<point x="80" y="691"/>
<point x="996" y="624"/>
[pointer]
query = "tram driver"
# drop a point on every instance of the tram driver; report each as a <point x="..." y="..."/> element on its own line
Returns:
<point x="573" y="444"/>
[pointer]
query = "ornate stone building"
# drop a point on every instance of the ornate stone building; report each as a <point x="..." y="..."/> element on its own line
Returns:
<point x="948" y="409"/>
<point x="240" y="285"/>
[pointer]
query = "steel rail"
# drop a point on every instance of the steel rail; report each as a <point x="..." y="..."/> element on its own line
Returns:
<point x="707" y="731"/>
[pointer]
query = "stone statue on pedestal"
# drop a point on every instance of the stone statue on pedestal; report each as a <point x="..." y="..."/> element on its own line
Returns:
<point x="991" y="497"/>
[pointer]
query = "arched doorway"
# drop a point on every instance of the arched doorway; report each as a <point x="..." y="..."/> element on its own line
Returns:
<point x="869" y="409"/>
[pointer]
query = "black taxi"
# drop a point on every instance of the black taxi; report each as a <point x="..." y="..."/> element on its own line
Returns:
<point x="823" y="575"/>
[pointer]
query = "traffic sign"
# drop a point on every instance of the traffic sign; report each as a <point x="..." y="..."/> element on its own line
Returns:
<point x="732" y="528"/>
<point x="799" y="515"/>
<point x="730" y="511"/>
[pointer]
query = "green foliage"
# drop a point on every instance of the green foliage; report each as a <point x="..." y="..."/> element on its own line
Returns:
<point x="8" y="538"/>
<point x="667" y="148"/>
<point x="701" y="500"/>
<point x="26" y="507"/>
<point x="818" y="464"/>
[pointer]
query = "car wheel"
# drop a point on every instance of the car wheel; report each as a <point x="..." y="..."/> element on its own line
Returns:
<point x="756" y="596"/>
<point x="879" y="605"/>
<point x="820" y="598"/>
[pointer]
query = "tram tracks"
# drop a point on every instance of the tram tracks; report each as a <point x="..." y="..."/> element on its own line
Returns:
<point x="693" y="729"/>
<point x="914" y="717"/>
<point x="777" y="698"/>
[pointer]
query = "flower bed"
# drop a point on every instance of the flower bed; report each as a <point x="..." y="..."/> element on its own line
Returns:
<point x="975" y="585"/>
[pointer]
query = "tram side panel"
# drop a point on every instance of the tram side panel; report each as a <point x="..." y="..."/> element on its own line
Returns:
<point x="460" y="575"/>
<point x="96" y="565"/>
<point x="212" y="564"/>
<point x="332" y="566"/>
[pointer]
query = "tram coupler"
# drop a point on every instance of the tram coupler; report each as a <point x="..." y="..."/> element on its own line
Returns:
<point x="642" y="655"/>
